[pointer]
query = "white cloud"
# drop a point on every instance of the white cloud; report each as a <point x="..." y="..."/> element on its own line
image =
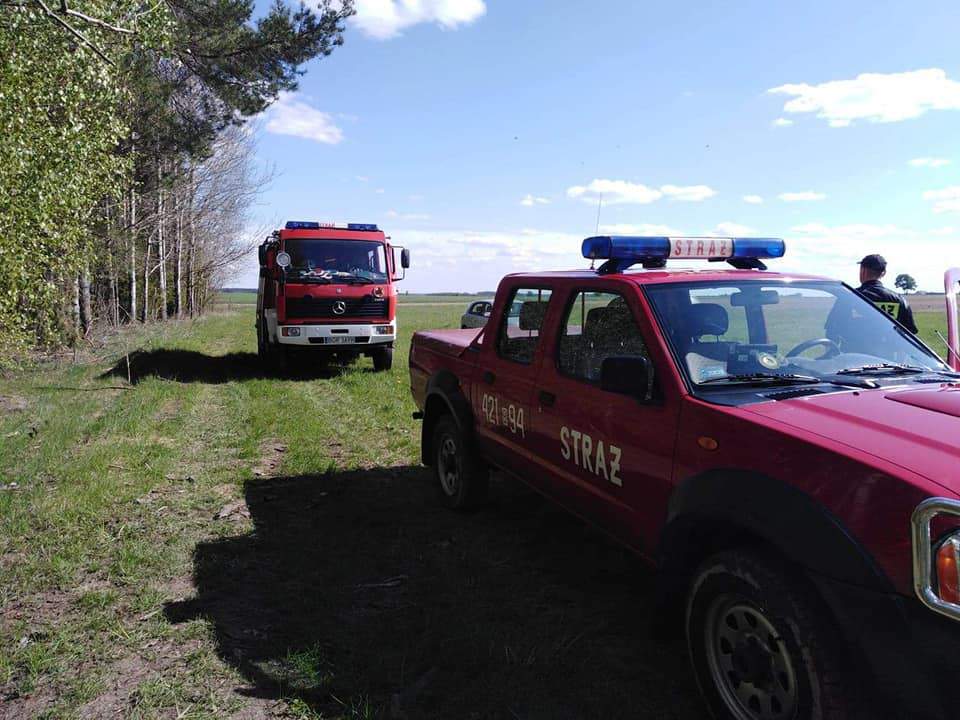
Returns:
<point x="806" y="196"/>
<point x="732" y="229"/>
<point x="782" y="122"/>
<point x="363" y="178"/>
<point x="641" y="229"/>
<point x="946" y="200"/>
<point x="943" y="231"/>
<point x="930" y="162"/>
<point x="379" y="191"/>
<point x="289" y="116"/>
<point x="615" y="192"/>
<point x="623" y="192"/>
<point x="834" y="250"/>
<point x="690" y="193"/>
<point x="753" y="199"/>
<point x="384" y="19"/>
<point x="406" y="216"/>
<point x="874" y="97"/>
<point x="531" y="200"/>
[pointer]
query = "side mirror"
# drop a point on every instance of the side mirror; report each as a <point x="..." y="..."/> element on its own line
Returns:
<point x="628" y="375"/>
<point x="404" y="258"/>
<point x="283" y="259"/>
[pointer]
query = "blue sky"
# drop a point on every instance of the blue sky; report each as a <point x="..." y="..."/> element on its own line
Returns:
<point x="481" y="133"/>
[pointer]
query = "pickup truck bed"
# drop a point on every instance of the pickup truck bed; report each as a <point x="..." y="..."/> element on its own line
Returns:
<point x="434" y="350"/>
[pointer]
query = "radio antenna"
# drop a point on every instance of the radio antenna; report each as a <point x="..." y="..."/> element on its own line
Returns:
<point x="599" y="206"/>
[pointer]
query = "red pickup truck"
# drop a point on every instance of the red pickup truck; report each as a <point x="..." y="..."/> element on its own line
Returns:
<point x="786" y="455"/>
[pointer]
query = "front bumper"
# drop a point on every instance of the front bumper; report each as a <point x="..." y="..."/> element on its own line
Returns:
<point x="908" y="650"/>
<point x="338" y="336"/>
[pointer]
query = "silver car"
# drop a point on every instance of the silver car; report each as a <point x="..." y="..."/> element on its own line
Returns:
<point x="476" y="315"/>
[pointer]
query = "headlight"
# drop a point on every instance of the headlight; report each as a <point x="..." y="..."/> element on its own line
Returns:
<point x="290" y="332"/>
<point x="936" y="567"/>
<point x="383" y="329"/>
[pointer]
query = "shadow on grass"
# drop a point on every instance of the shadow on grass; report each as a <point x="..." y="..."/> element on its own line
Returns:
<point x="358" y="590"/>
<point x="189" y="366"/>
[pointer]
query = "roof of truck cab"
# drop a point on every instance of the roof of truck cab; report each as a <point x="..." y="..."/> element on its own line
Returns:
<point x="327" y="233"/>
<point x="671" y="275"/>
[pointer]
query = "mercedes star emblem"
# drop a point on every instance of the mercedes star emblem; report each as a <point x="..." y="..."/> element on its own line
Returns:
<point x="339" y="307"/>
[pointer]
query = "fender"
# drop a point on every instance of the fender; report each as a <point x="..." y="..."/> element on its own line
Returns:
<point x="444" y="394"/>
<point x="758" y="506"/>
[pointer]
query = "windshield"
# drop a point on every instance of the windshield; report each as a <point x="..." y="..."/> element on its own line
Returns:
<point x="316" y="260"/>
<point x="730" y="331"/>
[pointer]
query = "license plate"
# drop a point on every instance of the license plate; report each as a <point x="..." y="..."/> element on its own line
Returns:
<point x="339" y="340"/>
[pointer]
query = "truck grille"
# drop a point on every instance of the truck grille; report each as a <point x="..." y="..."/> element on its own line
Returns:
<point x="365" y="307"/>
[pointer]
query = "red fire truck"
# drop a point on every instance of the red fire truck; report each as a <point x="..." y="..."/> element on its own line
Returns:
<point x="330" y="288"/>
<point x="783" y="452"/>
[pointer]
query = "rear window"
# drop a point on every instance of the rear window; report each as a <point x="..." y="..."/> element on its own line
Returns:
<point x="519" y="334"/>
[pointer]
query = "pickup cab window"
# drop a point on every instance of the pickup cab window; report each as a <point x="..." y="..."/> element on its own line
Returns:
<point x="519" y="332"/>
<point x="597" y="325"/>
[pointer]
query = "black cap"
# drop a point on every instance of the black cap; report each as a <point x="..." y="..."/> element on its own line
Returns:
<point x="874" y="262"/>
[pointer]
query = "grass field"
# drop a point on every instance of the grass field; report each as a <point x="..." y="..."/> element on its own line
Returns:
<point x="209" y="541"/>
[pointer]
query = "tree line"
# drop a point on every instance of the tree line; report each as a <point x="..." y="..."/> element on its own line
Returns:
<point x="126" y="161"/>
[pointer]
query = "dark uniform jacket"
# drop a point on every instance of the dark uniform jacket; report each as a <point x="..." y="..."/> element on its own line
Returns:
<point x="890" y="302"/>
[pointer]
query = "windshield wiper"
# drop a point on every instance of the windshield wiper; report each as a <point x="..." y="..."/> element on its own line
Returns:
<point x="886" y="368"/>
<point x="763" y="378"/>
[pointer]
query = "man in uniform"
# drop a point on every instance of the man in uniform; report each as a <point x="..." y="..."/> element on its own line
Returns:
<point x="872" y="269"/>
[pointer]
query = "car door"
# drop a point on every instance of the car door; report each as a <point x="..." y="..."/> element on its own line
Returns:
<point x="610" y="454"/>
<point x="506" y="377"/>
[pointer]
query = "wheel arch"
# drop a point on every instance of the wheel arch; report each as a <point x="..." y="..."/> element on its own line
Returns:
<point x="444" y="395"/>
<point x="721" y="509"/>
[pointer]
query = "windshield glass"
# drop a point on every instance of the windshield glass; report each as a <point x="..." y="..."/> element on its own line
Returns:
<point x="313" y="259"/>
<point x="753" y="329"/>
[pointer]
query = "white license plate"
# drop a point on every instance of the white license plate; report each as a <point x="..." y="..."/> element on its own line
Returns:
<point x="339" y="340"/>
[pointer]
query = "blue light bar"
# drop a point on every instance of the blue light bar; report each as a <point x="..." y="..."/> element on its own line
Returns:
<point x="313" y="225"/>
<point x="640" y="248"/>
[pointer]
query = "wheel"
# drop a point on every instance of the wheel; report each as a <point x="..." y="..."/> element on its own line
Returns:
<point x="761" y="646"/>
<point x="275" y="357"/>
<point x="461" y="478"/>
<point x="383" y="359"/>
<point x="261" y="342"/>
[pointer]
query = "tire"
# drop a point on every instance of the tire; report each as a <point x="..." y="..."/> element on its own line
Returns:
<point x="762" y="647"/>
<point x="383" y="359"/>
<point x="461" y="478"/>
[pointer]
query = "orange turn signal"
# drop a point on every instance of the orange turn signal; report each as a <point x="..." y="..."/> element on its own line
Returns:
<point x="948" y="571"/>
<point x="707" y="443"/>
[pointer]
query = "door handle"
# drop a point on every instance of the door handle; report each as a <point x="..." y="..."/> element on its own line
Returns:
<point x="488" y="377"/>
<point x="547" y="399"/>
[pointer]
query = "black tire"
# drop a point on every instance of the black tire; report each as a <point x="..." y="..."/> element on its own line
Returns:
<point x="762" y="645"/>
<point x="461" y="478"/>
<point x="383" y="359"/>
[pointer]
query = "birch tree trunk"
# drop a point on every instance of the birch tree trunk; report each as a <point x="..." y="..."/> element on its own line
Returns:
<point x="86" y="309"/>
<point x="161" y="245"/>
<point x="178" y="266"/>
<point x="133" y="252"/>
<point x="146" y="280"/>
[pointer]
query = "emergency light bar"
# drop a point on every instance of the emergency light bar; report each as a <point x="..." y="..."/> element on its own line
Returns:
<point x="622" y="251"/>
<point x="312" y="225"/>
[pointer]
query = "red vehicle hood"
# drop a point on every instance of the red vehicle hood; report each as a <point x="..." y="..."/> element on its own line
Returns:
<point x="915" y="427"/>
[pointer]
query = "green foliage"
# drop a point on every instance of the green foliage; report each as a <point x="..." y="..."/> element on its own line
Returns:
<point x="81" y="94"/>
<point x="905" y="282"/>
<point x="60" y="124"/>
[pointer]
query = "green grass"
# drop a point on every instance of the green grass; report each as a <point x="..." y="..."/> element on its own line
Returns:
<point x="121" y="594"/>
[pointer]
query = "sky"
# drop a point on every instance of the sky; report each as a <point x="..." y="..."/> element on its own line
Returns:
<point x="485" y="135"/>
